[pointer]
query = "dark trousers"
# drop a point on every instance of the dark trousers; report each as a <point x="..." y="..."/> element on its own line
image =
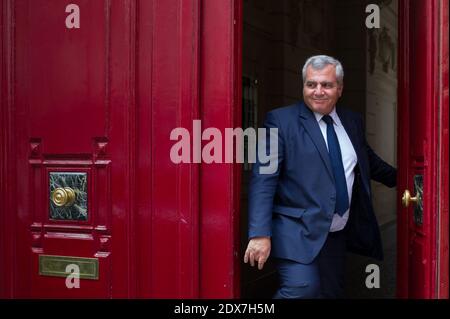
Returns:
<point x="323" y="278"/>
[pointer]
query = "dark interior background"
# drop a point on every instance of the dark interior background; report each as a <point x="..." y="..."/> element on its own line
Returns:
<point x="278" y="37"/>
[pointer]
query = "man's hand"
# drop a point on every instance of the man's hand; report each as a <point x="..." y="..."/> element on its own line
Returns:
<point x="258" y="250"/>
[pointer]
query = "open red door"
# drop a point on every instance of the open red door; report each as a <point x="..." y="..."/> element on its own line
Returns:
<point x="423" y="149"/>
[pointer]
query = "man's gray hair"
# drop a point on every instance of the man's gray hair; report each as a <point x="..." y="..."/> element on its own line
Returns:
<point x="318" y="62"/>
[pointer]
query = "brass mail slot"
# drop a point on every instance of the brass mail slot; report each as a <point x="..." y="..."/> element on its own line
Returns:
<point x="55" y="266"/>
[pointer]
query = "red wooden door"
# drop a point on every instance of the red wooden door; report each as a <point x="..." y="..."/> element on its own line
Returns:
<point x="423" y="150"/>
<point x="86" y="116"/>
<point x="71" y="147"/>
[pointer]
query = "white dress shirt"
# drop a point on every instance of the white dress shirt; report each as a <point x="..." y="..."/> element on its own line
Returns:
<point x="349" y="159"/>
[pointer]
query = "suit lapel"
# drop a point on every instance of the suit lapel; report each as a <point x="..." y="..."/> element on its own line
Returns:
<point x="309" y="122"/>
<point x="352" y="132"/>
<point x="350" y="129"/>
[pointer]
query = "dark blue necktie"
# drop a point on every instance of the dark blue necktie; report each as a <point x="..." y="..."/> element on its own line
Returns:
<point x="338" y="168"/>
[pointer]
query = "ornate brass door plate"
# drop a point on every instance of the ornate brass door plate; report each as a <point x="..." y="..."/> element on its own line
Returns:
<point x="68" y="196"/>
<point x="418" y="208"/>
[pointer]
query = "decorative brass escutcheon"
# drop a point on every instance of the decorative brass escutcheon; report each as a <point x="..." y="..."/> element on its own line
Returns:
<point x="63" y="196"/>
<point x="407" y="199"/>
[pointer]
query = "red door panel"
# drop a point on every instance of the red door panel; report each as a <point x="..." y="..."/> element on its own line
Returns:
<point x="420" y="148"/>
<point x="69" y="127"/>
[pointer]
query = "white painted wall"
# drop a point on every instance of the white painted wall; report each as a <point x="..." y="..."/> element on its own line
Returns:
<point x="381" y="112"/>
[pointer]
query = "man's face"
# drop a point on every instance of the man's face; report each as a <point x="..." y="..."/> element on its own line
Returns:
<point x="321" y="89"/>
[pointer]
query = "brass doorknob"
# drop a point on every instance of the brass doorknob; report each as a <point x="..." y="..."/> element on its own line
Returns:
<point x="63" y="196"/>
<point x="406" y="199"/>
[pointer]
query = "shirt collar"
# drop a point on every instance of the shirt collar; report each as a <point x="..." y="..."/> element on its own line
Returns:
<point x="333" y="115"/>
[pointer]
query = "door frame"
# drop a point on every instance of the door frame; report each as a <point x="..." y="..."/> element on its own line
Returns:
<point x="7" y="149"/>
<point x="443" y="159"/>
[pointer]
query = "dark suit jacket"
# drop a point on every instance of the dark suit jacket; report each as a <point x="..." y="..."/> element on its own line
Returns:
<point x="295" y="205"/>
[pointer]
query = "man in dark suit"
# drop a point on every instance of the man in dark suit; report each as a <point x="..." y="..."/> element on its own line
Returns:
<point x="318" y="204"/>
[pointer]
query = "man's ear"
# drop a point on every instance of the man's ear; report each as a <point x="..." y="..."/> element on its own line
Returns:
<point x="341" y="88"/>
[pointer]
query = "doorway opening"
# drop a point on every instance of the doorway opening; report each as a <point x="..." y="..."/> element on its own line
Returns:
<point x="278" y="37"/>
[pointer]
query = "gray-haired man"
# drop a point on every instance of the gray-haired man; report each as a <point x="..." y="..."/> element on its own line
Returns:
<point x="318" y="203"/>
